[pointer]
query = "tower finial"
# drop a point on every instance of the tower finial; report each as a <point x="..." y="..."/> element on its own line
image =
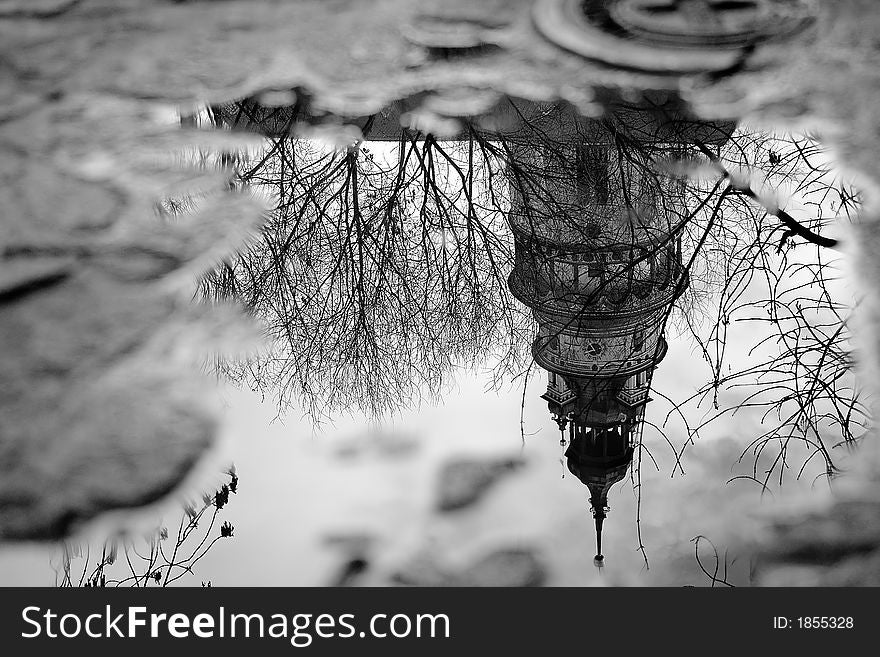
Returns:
<point x="599" y="509"/>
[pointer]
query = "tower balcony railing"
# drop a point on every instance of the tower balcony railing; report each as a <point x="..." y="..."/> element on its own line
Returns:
<point x="586" y="307"/>
<point x="618" y="290"/>
<point x="633" y="227"/>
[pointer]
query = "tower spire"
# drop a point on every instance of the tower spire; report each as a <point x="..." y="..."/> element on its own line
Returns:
<point x="599" y="508"/>
<point x="599" y="558"/>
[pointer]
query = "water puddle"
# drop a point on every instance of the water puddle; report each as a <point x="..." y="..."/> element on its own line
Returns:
<point x="555" y="292"/>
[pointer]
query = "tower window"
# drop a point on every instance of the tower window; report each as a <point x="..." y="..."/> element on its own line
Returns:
<point x="639" y="340"/>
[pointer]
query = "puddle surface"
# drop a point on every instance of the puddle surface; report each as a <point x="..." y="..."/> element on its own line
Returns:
<point x="469" y="278"/>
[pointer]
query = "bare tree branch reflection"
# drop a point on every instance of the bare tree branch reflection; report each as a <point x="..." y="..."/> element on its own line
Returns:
<point x="375" y="278"/>
<point x="715" y="576"/>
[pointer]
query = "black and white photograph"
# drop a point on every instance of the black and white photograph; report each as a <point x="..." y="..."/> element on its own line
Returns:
<point x="437" y="294"/>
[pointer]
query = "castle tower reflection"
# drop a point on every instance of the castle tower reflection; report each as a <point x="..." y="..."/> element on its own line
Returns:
<point x="598" y="261"/>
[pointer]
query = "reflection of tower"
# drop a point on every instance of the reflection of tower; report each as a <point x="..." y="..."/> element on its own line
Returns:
<point x="598" y="253"/>
<point x="599" y="265"/>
